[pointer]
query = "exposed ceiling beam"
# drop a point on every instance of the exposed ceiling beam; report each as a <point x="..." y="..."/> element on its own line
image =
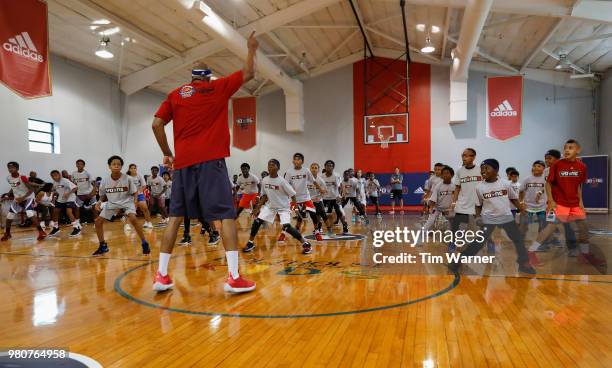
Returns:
<point x="490" y="57"/>
<point x="337" y="48"/>
<point x="593" y="9"/>
<point x="586" y="39"/>
<point x="127" y="27"/>
<point x="399" y="42"/>
<point x="309" y="26"/>
<point x="506" y="22"/>
<point x="149" y="75"/>
<point x="292" y="57"/>
<point x="541" y="44"/>
<point x="362" y="24"/>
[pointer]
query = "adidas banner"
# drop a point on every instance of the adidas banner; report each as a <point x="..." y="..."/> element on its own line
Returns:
<point x="24" y="57"/>
<point x="504" y="107"/>
<point x="244" y="112"/>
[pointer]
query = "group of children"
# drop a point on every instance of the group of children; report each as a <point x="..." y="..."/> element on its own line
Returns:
<point x="550" y="196"/>
<point x="309" y="192"/>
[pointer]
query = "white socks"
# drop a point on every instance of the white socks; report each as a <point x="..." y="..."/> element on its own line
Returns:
<point x="584" y="248"/>
<point x="164" y="259"/>
<point x="232" y="263"/>
<point x="534" y="246"/>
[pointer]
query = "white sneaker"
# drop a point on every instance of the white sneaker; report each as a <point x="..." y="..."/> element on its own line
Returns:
<point x="127" y="228"/>
<point x="147" y="225"/>
<point x="164" y="221"/>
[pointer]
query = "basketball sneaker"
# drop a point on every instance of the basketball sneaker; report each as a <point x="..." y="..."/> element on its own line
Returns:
<point x="526" y="268"/>
<point x="345" y="230"/>
<point x="102" y="248"/>
<point x="162" y="283"/>
<point x="6" y="237"/>
<point x="318" y="235"/>
<point x="185" y="241"/>
<point x="306" y="248"/>
<point x="533" y="259"/>
<point x="214" y="239"/>
<point x="281" y="237"/>
<point x="592" y="259"/>
<point x="147" y="225"/>
<point x="41" y="235"/>
<point x="55" y="231"/>
<point x="330" y="233"/>
<point x="543" y="248"/>
<point x="248" y="247"/>
<point x="75" y="232"/>
<point x="238" y="285"/>
<point x="145" y="248"/>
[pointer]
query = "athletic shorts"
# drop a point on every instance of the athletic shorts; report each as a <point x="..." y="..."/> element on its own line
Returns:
<point x="141" y="197"/>
<point x="268" y="214"/>
<point x="65" y="205"/>
<point x="397" y="193"/>
<point x="569" y="214"/>
<point x="302" y="207"/>
<point x="85" y="200"/>
<point x="203" y="191"/>
<point x="247" y="200"/>
<point x="26" y="206"/>
<point x="109" y="211"/>
<point x="320" y="210"/>
<point x="373" y="200"/>
<point x="353" y="200"/>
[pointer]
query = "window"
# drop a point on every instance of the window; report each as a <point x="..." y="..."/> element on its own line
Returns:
<point x="43" y="136"/>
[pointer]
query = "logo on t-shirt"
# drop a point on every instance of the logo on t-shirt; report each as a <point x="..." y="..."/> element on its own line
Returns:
<point x="535" y="185"/>
<point x="187" y="91"/>
<point x="469" y="179"/>
<point x="567" y="173"/>
<point x="495" y="193"/>
<point x="272" y="186"/>
<point x="15" y="184"/>
<point x="81" y="180"/>
<point x="116" y="190"/>
<point x="445" y="192"/>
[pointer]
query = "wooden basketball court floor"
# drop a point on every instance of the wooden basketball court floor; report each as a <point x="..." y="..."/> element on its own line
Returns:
<point x="323" y="309"/>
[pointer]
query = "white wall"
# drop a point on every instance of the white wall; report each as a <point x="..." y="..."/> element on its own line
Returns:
<point x="328" y="132"/>
<point x="547" y="123"/>
<point x="87" y="105"/>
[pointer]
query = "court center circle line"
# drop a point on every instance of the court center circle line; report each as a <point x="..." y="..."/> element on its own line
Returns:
<point x="128" y="296"/>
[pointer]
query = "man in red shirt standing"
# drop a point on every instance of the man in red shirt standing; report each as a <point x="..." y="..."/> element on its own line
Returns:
<point x="564" y="192"/>
<point x="201" y="187"/>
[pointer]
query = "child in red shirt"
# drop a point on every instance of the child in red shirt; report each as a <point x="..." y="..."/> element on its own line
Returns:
<point x="564" y="191"/>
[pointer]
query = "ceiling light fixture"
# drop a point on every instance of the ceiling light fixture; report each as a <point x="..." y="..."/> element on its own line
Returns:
<point x="429" y="47"/>
<point x="420" y="27"/>
<point x="435" y="29"/>
<point x="109" y="32"/>
<point x="103" y="50"/>
<point x="101" y="21"/>
<point x="564" y="63"/>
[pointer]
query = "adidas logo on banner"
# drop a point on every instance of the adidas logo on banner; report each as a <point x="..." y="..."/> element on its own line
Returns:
<point x="419" y="190"/>
<point x="22" y="45"/>
<point x="504" y="109"/>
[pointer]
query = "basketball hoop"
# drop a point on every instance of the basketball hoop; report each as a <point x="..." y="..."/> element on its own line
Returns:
<point x="384" y="141"/>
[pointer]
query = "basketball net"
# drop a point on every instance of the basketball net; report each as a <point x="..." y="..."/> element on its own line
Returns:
<point x="384" y="141"/>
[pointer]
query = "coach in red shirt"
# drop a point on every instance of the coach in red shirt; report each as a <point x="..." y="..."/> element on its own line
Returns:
<point x="200" y="183"/>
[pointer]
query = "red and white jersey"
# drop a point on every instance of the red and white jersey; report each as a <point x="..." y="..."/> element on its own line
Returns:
<point x="299" y="180"/>
<point x="18" y="185"/>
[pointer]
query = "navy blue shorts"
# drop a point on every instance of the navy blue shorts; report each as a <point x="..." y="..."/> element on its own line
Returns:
<point x="203" y="191"/>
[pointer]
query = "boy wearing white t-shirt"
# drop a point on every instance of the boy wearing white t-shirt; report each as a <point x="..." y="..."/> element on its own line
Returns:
<point x="372" y="188"/>
<point x="533" y="197"/>
<point x="493" y="205"/>
<point x="275" y="201"/>
<point x="466" y="179"/>
<point x="441" y="197"/>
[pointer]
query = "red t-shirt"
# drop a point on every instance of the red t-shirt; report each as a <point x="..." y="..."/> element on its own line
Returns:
<point x="199" y="113"/>
<point x="565" y="178"/>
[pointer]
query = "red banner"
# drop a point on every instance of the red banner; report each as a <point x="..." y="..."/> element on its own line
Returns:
<point x="504" y="107"/>
<point x="244" y="119"/>
<point x="24" y="56"/>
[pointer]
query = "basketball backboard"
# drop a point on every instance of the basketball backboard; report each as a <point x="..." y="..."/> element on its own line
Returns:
<point x="380" y="129"/>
